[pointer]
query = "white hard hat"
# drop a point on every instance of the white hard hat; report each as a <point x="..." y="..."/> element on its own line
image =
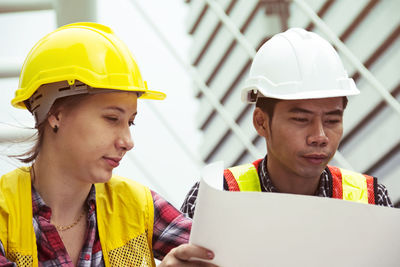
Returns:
<point x="297" y="64"/>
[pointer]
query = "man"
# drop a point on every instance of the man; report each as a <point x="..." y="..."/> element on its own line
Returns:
<point x="300" y="89"/>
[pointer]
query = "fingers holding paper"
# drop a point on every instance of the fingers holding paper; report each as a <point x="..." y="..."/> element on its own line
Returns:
<point x="187" y="255"/>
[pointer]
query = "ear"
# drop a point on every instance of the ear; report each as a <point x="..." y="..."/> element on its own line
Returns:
<point x="260" y="122"/>
<point x="54" y="119"/>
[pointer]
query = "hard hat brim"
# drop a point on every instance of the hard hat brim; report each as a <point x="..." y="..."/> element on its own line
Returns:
<point x="345" y="87"/>
<point x="23" y="94"/>
<point x="146" y="94"/>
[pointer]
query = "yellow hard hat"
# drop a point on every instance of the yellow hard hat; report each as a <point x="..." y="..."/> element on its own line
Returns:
<point x="86" y="52"/>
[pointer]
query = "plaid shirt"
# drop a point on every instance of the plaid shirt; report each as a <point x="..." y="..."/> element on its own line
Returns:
<point x="324" y="189"/>
<point x="170" y="229"/>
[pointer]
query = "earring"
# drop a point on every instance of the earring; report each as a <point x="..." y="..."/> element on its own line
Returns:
<point x="55" y="129"/>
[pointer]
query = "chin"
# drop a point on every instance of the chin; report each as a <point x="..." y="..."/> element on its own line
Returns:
<point x="102" y="178"/>
<point x="316" y="172"/>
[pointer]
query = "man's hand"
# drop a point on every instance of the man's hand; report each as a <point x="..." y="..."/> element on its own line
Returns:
<point x="180" y="256"/>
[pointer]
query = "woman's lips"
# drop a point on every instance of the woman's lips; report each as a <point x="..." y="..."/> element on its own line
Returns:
<point x="113" y="162"/>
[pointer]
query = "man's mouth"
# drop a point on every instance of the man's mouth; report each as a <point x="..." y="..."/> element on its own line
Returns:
<point x="316" y="158"/>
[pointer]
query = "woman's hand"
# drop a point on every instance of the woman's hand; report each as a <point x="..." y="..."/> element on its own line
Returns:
<point x="180" y="256"/>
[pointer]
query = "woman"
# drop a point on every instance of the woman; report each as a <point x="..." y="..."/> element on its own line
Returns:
<point x="81" y="84"/>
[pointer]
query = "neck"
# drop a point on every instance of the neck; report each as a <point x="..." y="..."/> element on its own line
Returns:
<point x="62" y="192"/>
<point x="287" y="181"/>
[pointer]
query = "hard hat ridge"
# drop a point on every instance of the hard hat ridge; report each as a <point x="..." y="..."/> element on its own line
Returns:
<point x="297" y="64"/>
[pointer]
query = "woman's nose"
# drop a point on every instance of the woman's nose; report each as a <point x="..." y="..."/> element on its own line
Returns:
<point x="125" y="140"/>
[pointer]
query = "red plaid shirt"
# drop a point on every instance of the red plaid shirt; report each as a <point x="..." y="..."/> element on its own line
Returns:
<point x="170" y="229"/>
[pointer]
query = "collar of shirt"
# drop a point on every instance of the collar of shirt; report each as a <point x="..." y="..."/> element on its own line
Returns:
<point x="324" y="187"/>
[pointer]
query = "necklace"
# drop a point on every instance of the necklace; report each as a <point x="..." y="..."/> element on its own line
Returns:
<point x="62" y="228"/>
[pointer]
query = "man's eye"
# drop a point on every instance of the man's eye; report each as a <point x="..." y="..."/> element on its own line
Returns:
<point x="332" y="121"/>
<point x="300" y="119"/>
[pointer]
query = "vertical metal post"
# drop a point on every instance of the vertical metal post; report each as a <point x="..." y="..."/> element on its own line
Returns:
<point x="70" y="11"/>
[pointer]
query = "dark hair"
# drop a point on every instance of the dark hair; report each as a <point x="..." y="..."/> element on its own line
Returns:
<point x="345" y="101"/>
<point x="33" y="152"/>
<point x="267" y="105"/>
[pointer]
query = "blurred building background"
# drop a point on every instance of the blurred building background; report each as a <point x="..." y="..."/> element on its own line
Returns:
<point x="199" y="52"/>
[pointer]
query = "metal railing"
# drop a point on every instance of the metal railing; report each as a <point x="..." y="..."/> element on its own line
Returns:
<point x="332" y="37"/>
<point x="11" y="6"/>
<point x="341" y="47"/>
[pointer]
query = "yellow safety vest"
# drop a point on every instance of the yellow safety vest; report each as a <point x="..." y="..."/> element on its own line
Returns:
<point x="124" y="217"/>
<point x="347" y="185"/>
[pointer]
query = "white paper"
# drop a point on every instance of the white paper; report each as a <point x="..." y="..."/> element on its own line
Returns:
<point x="274" y="229"/>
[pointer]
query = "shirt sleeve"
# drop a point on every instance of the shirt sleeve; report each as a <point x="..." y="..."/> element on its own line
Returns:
<point x="382" y="196"/>
<point x="189" y="204"/>
<point x="171" y="228"/>
<point x="4" y="262"/>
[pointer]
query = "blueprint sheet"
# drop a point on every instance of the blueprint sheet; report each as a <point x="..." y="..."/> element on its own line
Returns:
<point x="275" y="229"/>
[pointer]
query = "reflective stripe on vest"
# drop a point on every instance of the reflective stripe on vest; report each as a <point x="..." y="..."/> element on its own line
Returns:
<point x="124" y="210"/>
<point x="352" y="186"/>
<point x="243" y="177"/>
<point x="346" y="184"/>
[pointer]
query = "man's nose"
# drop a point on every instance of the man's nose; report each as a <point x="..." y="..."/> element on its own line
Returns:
<point x="317" y="135"/>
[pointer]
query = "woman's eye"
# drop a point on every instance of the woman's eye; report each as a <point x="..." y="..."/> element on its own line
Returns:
<point x="113" y="119"/>
<point x="131" y="123"/>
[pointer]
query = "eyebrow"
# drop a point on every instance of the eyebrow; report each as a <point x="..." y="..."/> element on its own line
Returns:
<point x="300" y="110"/>
<point x="120" y="110"/>
<point x="335" y="112"/>
<point x="338" y="112"/>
